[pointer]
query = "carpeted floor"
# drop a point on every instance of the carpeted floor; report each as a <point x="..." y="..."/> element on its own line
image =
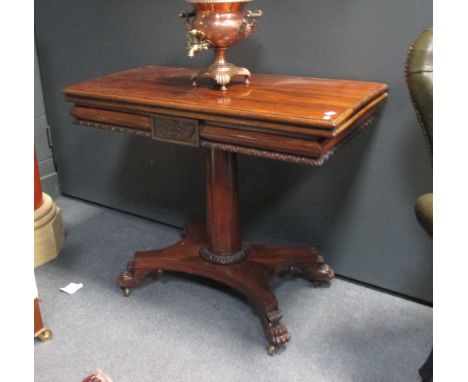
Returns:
<point x="184" y="329"/>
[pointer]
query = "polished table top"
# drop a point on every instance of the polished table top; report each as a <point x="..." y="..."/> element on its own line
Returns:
<point x="302" y="118"/>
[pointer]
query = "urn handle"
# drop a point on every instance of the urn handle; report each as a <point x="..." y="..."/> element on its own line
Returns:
<point x="187" y="15"/>
<point x="249" y="25"/>
<point x="253" y="14"/>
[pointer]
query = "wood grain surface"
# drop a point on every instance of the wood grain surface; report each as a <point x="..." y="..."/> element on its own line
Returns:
<point x="308" y="102"/>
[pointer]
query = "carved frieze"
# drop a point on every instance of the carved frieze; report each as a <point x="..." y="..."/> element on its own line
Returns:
<point x="175" y="130"/>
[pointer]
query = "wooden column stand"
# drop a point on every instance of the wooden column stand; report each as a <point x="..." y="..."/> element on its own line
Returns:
<point x="222" y="211"/>
<point x="218" y="253"/>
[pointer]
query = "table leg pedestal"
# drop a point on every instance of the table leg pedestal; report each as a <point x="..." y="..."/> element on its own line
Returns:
<point x="249" y="277"/>
<point x="219" y="254"/>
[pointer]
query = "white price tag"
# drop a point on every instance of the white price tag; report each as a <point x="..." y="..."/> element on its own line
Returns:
<point x="72" y="288"/>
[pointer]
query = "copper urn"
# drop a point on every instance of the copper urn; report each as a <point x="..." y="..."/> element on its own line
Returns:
<point x="218" y="24"/>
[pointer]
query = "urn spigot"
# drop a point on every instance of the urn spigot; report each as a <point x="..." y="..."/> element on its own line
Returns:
<point x="197" y="42"/>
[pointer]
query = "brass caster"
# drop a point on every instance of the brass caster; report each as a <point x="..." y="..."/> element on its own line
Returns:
<point x="126" y="291"/>
<point x="194" y="84"/>
<point x="271" y="350"/>
<point x="45" y="335"/>
<point x="247" y="80"/>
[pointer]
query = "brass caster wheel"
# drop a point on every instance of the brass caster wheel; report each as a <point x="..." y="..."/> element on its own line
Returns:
<point x="246" y="80"/>
<point x="271" y="350"/>
<point x="126" y="291"/>
<point x="45" y="335"/>
<point x="194" y="84"/>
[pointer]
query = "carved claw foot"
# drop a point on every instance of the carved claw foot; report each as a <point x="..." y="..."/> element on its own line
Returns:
<point x="276" y="333"/>
<point x="130" y="278"/>
<point x="319" y="272"/>
<point x="127" y="276"/>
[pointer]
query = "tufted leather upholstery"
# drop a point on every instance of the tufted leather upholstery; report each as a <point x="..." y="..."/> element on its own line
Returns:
<point x="419" y="80"/>
<point x="424" y="211"/>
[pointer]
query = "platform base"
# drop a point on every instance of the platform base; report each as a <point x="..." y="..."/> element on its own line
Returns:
<point x="249" y="277"/>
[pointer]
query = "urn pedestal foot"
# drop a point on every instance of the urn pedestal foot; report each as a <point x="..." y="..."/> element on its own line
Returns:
<point x="221" y="74"/>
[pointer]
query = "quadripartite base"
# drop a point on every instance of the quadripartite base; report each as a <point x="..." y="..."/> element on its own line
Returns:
<point x="249" y="277"/>
<point x="222" y="73"/>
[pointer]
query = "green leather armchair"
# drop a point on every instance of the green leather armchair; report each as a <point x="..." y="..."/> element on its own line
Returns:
<point x="419" y="79"/>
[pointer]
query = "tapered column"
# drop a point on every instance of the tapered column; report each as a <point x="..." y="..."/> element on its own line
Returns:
<point x="224" y="242"/>
<point x="222" y="202"/>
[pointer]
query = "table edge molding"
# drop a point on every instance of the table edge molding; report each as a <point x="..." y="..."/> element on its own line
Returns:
<point x="282" y="156"/>
<point x="259" y="153"/>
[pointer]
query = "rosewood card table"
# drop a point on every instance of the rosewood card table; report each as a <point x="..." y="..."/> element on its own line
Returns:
<point x="294" y="119"/>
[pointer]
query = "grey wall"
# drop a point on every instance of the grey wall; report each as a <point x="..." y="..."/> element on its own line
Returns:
<point x="42" y="138"/>
<point x="358" y="208"/>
